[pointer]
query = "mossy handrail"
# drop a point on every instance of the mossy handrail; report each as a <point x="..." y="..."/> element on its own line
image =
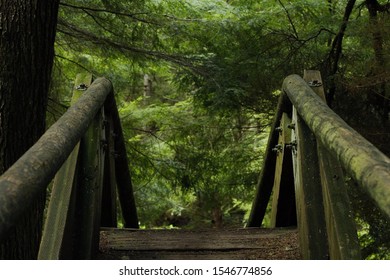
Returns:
<point x="322" y="145"/>
<point x="368" y="166"/>
<point x="29" y="177"/>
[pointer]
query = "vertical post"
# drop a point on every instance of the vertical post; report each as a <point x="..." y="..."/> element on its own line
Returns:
<point x="267" y="175"/>
<point x="283" y="198"/>
<point x="147" y="86"/>
<point x="341" y="228"/>
<point x="122" y="173"/>
<point x="89" y="188"/>
<point x="109" y="204"/>
<point x="308" y="193"/>
<point x="57" y="235"/>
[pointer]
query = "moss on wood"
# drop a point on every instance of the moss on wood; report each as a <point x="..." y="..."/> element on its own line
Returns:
<point x="363" y="161"/>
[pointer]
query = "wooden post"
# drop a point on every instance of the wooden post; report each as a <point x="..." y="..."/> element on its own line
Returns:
<point x="54" y="239"/>
<point x="109" y="197"/>
<point x="341" y="228"/>
<point x="283" y="197"/>
<point x="122" y="173"/>
<point x="308" y="193"/>
<point x="267" y="174"/>
<point x="147" y="86"/>
<point x="89" y="186"/>
<point x="368" y="166"/>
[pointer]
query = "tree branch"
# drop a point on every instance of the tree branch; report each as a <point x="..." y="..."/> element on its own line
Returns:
<point x="290" y="20"/>
<point x="76" y="32"/>
<point x="337" y="43"/>
<point x="74" y="62"/>
<point x="132" y="16"/>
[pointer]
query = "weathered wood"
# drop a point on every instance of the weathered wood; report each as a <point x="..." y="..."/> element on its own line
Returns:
<point x="148" y="91"/>
<point x="89" y="186"/>
<point x="369" y="167"/>
<point x="341" y="229"/>
<point x="308" y="193"/>
<point x="250" y="243"/>
<point x="283" y="211"/>
<point x="109" y="196"/>
<point x="122" y="173"/>
<point x="21" y="184"/>
<point x="57" y="213"/>
<point x="228" y="254"/>
<point x="267" y="174"/>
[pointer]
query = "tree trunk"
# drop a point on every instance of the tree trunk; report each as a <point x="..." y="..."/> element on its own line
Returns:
<point x="381" y="100"/>
<point x="332" y="62"/>
<point x="217" y="216"/>
<point x="27" y="32"/>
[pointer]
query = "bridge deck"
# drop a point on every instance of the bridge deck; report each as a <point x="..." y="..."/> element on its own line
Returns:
<point x="250" y="243"/>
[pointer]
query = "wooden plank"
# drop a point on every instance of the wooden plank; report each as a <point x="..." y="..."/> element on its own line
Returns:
<point x="189" y="244"/>
<point x="267" y="174"/>
<point x="122" y="173"/>
<point x="120" y="239"/>
<point x="58" y="210"/>
<point x="89" y="189"/>
<point x="235" y="254"/>
<point x="283" y="197"/>
<point x="109" y="196"/>
<point x="341" y="228"/>
<point x="308" y="193"/>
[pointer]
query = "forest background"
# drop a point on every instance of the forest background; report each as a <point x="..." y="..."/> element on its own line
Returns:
<point x="197" y="83"/>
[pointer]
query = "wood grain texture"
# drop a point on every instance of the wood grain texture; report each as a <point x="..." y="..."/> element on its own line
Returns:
<point x="369" y="167"/>
<point x="341" y="229"/>
<point x="250" y="243"/>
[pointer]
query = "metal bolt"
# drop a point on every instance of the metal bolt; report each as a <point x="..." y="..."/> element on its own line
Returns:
<point x="315" y="83"/>
<point x="291" y="145"/>
<point x="279" y="129"/>
<point x="278" y="148"/>
<point x="82" y="87"/>
<point x="291" y="126"/>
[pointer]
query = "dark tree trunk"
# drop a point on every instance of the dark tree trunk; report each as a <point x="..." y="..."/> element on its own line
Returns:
<point x="27" y="32"/>
<point x="381" y="100"/>
<point x="332" y="62"/>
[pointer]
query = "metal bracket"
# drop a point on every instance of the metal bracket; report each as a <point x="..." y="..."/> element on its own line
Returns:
<point x="278" y="148"/>
<point x="279" y="129"/>
<point x="291" y="126"/>
<point x="82" y="87"/>
<point x="293" y="146"/>
<point x="315" y="83"/>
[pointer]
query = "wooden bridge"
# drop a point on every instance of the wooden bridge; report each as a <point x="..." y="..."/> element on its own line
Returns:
<point x="83" y="157"/>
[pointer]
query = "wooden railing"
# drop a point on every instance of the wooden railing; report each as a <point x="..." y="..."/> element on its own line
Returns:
<point x="84" y="152"/>
<point x="308" y="150"/>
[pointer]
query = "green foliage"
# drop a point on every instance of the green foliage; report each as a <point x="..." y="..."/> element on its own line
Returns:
<point x="373" y="225"/>
<point x="207" y="160"/>
<point x="196" y="144"/>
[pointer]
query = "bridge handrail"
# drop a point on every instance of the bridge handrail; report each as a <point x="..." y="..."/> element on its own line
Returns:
<point x="309" y="149"/>
<point x="31" y="174"/>
<point x="368" y="166"/>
